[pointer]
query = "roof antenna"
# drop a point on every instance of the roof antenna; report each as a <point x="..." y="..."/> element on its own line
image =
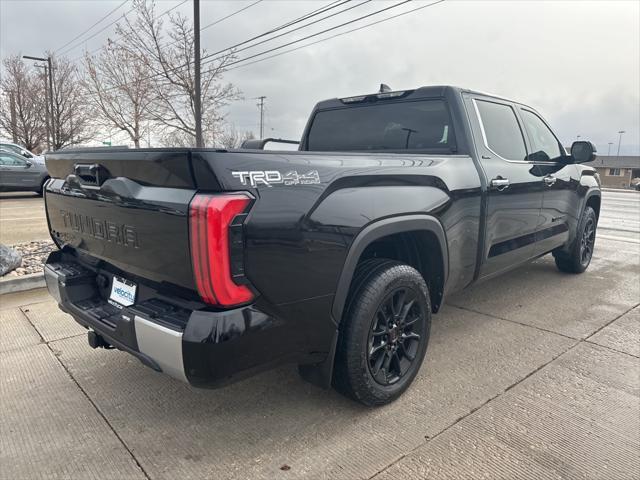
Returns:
<point x="384" y="88"/>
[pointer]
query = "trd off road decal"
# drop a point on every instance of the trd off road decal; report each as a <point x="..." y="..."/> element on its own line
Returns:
<point x="274" y="177"/>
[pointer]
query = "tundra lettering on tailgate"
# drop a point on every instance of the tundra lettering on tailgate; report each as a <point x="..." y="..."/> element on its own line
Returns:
<point x="117" y="233"/>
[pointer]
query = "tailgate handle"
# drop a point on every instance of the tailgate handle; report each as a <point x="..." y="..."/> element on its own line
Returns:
<point x="91" y="174"/>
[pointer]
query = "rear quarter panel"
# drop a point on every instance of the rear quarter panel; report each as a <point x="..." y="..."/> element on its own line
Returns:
<point x="298" y="235"/>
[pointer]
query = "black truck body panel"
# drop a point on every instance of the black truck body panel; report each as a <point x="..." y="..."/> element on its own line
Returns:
<point x="313" y="216"/>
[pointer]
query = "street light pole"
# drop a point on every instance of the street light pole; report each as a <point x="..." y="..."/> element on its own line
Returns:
<point x="261" y="105"/>
<point x="48" y="60"/>
<point x="197" y="100"/>
<point x="619" y="141"/>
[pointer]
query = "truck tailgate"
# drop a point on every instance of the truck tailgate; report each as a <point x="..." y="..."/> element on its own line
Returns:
<point x="129" y="209"/>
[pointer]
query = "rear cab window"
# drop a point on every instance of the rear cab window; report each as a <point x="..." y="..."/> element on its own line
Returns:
<point x="418" y="125"/>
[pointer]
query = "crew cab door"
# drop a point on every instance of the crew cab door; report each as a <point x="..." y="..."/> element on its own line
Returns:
<point x="560" y="202"/>
<point x="514" y="186"/>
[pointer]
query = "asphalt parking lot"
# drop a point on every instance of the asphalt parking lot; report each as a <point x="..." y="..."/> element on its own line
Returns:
<point x="535" y="374"/>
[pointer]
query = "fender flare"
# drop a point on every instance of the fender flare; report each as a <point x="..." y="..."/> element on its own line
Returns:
<point x="592" y="192"/>
<point x="375" y="231"/>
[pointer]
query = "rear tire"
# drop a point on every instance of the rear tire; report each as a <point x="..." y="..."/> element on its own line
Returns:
<point x="579" y="256"/>
<point x="41" y="190"/>
<point x="384" y="333"/>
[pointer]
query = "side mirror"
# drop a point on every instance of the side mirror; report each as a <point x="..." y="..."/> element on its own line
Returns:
<point x="28" y="164"/>
<point x="583" y="152"/>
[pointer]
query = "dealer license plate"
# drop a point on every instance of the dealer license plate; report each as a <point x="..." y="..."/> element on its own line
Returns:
<point x="123" y="291"/>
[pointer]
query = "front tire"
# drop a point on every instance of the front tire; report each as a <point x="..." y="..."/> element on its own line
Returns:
<point x="579" y="257"/>
<point x="384" y="334"/>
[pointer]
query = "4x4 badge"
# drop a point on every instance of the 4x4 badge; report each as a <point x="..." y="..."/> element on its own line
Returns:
<point x="270" y="178"/>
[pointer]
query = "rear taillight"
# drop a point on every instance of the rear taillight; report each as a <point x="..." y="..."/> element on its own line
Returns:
<point x="216" y="240"/>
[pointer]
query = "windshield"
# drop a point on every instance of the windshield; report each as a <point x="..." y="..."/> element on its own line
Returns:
<point x="415" y="125"/>
<point x="16" y="149"/>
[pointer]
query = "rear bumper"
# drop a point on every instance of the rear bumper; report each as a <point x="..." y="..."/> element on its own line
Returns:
<point x="201" y="347"/>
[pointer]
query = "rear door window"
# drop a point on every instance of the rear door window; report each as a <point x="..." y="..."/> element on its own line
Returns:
<point x="415" y="125"/>
<point x="501" y="130"/>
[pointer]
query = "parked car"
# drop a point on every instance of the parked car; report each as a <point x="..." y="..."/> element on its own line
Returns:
<point x="211" y="265"/>
<point x="15" y="148"/>
<point x="21" y="174"/>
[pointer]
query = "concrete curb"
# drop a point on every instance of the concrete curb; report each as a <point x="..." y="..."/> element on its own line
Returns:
<point x="619" y="190"/>
<point x="22" y="283"/>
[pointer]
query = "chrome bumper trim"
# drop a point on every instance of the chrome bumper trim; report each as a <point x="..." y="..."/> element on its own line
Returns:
<point x="161" y="344"/>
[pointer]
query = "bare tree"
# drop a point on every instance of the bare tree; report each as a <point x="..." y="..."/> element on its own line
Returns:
<point x="120" y="90"/>
<point x="71" y="119"/>
<point x="22" y="108"/>
<point x="168" y="52"/>
<point x="232" y="138"/>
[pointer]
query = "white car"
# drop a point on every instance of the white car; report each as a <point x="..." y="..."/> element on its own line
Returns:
<point x="15" y="148"/>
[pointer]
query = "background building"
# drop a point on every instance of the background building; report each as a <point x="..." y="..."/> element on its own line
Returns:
<point x="617" y="171"/>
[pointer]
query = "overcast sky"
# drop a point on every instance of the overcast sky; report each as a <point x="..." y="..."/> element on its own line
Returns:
<point x="577" y="62"/>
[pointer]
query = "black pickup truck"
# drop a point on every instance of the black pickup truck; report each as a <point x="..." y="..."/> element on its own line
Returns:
<point x="210" y="265"/>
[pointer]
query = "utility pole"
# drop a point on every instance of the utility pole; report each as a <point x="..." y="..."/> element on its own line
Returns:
<point x="48" y="60"/>
<point x="197" y="100"/>
<point x="619" y="141"/>
<point x="12" y="102"/>
<point x="54" y="133"/>
<point x="261" y="105"/>
<point x="46" y="106"/>
<point x="46" y="103"/>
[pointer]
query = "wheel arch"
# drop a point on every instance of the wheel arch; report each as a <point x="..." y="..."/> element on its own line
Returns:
<point x="594" y="200"/>
<point x="321" y="373"/>
<point x="386" y="228"/>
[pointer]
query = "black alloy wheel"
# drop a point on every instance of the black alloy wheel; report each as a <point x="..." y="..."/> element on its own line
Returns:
<point x="587" y="241"/>
<point x="394" y="337"/>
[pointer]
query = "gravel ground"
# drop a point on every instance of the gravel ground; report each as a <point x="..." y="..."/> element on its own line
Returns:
<point x="34" y="254"/>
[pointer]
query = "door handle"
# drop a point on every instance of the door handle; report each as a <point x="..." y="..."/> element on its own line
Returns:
<point x="549" y="180"/>
<point x="500" y="183"/>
